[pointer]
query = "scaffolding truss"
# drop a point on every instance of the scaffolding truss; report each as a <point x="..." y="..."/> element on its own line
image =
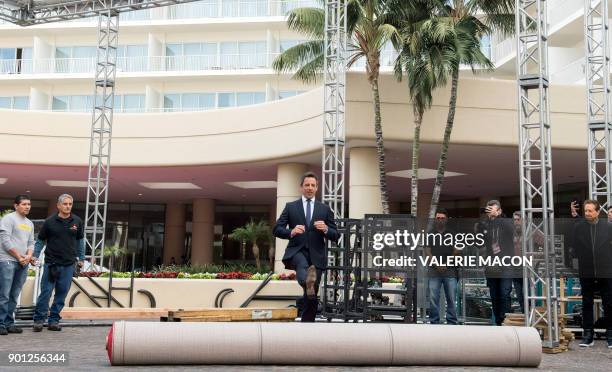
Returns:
<point x="597" y="71"/>
<point x="101" y="135"/>
<point x="536" y="186"/>
<point x="334" y="106"/>
<point x="27" y="13"/>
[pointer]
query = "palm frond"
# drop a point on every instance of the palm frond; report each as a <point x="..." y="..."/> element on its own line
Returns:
<point x="307" y="21"/>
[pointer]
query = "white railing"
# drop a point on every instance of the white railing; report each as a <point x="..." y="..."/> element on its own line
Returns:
<point x="236" y="8"/>
<point x="210" y="9"/>
<point x="572" y="73"/>
<point x="502" y="48"/>
<point x="558" y="10"/>
<point x="140" y="64"/>
<point x="15" y="66"/>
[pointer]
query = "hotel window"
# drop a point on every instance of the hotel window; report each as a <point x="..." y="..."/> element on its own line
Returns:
<point x="76" y="103"/>
<point x="286" y="44"/>
<point x="132" y="57"/>
<point x="250" y="98"/>
<point x="200" y="9"/>
<point x="247" y="54"/>
<point x="172" y="102"/>
<point x="198" y="101"/>
<point x="15" y="60"/>
<point x="189" y="102"/>
<point x="485" y="45"/>
<point x="129" y="103"/>
<point x="241" y="8"/>
<point x="227" y="100"/>
<point x="191" y="56"/>
<point x="15" y="103"/>
<point x="75" y="59"/>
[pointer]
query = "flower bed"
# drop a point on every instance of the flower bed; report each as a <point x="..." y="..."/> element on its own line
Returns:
<point x="182" y="275"/>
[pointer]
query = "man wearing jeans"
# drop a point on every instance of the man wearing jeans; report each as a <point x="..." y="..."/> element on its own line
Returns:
<point x="17" y="241"/>
<point x="499" y="242"/>
<point x="440" y="276"/>
<point x="61" y="231"/>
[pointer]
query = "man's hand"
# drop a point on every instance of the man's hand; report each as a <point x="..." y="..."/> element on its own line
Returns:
<point x="491" y="212"/>
<point x="574" y="209"/>
<point x="321" y="226"/>
<point x="34" y="261"/>
<point x="297" y="230"/>
<point x="80" y="263"/>
<point x="24" y="260"/>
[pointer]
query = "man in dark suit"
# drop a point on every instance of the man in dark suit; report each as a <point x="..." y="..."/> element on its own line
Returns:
<point x="592" y="246"/>
<point x="307" y="223"/>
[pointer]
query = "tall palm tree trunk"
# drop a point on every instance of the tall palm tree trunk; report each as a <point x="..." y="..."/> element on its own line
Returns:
<point x="450" y="119"/>
<point x="256" y="254"/>
<point x="416" y="146"/>
<point x="380" y="146"/>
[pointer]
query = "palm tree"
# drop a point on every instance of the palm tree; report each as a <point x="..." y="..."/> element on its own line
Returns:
<point x="424" y="73"/>
<point x="457" y="27"/>
<point x="370" y="25"/>
<point x="252" y="233"/>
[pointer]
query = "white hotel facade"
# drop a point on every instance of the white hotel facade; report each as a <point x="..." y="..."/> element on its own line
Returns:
<point x="207" y="135"/>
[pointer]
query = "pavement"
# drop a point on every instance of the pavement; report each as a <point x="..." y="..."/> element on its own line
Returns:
<point x="86" y="348"/>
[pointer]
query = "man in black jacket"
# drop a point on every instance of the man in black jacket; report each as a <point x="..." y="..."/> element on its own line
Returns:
<point x="307" y="223"/>
<point x="592" y="244"/>
<point x="498" y="235"/>
<point x="61" y="231"/>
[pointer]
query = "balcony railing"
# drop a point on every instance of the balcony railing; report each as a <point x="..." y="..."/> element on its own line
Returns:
<point x="235" y="8"/>
<point x="211" y="9"/>
<point x="225" y="62"/>
<point x="15" y="66"/>
<point x="558" y="10"/>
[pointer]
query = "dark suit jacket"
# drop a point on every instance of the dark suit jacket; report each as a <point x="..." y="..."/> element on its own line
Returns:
<point x="312" y="239"/>
<point x="594" y="260"/>
<point x="502" y="230"/>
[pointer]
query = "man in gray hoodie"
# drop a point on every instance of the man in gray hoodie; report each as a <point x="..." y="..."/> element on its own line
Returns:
<point x="17" y="243"/>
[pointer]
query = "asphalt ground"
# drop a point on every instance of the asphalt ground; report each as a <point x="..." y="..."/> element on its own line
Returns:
<point x="86" y="348"/>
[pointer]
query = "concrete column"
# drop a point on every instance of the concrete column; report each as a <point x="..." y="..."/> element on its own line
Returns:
<point x="270" y="92"/>
<point x="270" y="47"/>
<point x="174" y="232"/>
<point x="39" y="100"/>
<point x="155" y="50"/>
<point x="287" y="189"/>
<point x="153" y="98"/>
<point x="364" y="186"/>
<point x="42" y="52"/>
<point x="202" y="235"/>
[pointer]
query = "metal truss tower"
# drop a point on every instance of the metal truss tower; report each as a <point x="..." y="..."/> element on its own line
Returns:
<point x="535" y="165"/>
<point x="27" y="13"/>
<point x="598" y="99"/>
<point x="333" y="165"/>
<point x="101" y="134"/>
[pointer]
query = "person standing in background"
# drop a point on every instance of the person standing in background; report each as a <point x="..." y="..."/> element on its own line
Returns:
<point x="17" y="240"/>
